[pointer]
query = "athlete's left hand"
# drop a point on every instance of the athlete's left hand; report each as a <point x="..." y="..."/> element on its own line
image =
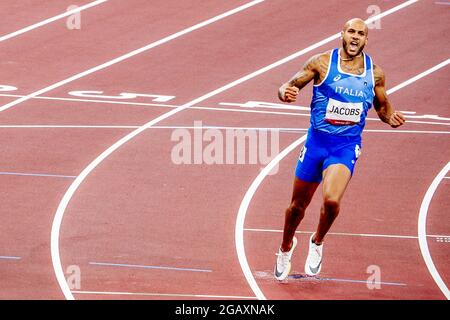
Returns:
<point x="396" y="119"/>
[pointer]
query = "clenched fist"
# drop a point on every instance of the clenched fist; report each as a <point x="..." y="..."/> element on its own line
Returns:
<point x="396" y="119"/>
<point x="288" y="94"/>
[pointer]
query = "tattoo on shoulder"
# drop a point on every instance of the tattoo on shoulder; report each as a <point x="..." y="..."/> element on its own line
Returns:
<point x="319" y="63"/>
<point x="322" y="62"/>
<point x="378" y="74"/>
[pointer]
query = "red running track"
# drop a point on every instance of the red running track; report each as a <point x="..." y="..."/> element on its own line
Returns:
<point x="141" y="224"/>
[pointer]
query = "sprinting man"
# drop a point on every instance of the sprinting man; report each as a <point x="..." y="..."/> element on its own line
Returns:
<point x="346" y="84"/>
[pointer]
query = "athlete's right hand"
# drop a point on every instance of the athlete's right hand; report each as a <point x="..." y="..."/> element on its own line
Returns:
<point x="289" y="94"/>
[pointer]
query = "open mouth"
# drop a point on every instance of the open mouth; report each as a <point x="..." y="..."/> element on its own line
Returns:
<point x="353" y="46"/>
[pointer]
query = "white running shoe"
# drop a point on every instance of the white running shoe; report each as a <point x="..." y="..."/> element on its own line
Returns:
<point x="313" y="263"/>
<point x="283" y="265"/>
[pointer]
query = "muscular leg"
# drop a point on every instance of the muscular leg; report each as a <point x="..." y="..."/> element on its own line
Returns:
<point x="335" y="180"/>
<point x="301" y="197"/>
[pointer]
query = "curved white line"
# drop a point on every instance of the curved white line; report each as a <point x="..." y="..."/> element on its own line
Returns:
<point x="422" y="230"/>
<point x="56" y="225"/>
<point x="239" y="229"/>
<point x="250" y="192"/>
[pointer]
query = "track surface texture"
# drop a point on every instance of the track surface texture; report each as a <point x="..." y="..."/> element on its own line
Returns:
<point x="95" y="207"/>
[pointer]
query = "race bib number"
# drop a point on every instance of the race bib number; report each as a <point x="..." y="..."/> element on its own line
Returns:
<point x="343" y="113"/>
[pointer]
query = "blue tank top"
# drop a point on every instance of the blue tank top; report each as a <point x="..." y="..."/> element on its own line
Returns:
<point x="341" y="101"/>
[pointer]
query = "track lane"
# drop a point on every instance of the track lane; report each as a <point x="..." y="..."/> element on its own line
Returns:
<point x="28" y="202"/>
<point x="106" y="88"/>
<point x="87" y="182"/>
<point x="41" y="275"/>
<point x="239" y="121"/>
<point x="107" y="29"/>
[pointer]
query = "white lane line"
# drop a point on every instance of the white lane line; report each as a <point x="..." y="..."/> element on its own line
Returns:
<point x="202" y="108"/>
<point x="307" y="278"/>
<point x="157" y="43"/>
<point x="436" y="236"/>
<point x="420" y="76"/>
<point x="56" y="226"/>
<point x="130" y="54"/>
<point x="144" y="104"/>
<point x="36" y="175"/>
<point x="418" y="122"/>
<point x="129" y="103"/>
<point x="337" y="233"/>
<point x="239" y="230"/>
<point x="422" y="231"/>
<point x="208" y="296"/>
<point x="10" y="258"/>
<point x="125" y="265"/>
<point x="285" y="130"/>
<point x="57" y="126"/>
<point x="406" y="131"/>
<point x="349" y="234"/>
<point x="50" y="20"/>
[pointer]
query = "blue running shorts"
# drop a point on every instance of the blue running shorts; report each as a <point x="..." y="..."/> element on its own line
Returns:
<point x="321" y="150"/>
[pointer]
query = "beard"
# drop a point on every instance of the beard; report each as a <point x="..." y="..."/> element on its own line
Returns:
<point x="346" y="45"/>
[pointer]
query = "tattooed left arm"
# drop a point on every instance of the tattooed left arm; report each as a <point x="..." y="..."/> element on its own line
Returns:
<point x="381" y="102"/>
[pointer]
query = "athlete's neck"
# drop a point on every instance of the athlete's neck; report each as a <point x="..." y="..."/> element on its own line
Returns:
<point x="345" y="57"/>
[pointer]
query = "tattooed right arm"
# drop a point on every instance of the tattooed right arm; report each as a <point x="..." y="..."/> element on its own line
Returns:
<point x="315" y="68"/>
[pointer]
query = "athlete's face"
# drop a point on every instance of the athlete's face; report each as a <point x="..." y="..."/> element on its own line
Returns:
<point x="354" y="37"/>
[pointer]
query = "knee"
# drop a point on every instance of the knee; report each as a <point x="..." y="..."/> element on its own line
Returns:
<point x="297" y="209"/>
<point x="331" y="204"/>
